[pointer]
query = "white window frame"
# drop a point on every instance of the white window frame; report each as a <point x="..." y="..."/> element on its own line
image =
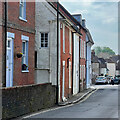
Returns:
<point x="25" y="39"/>
<point x="23" y="16"/>
<point x="81" y="48"/>
<point x="84" y="49"/>
<point x="80" y="72"/>
<point x="44" y="39"/>
<point x="24" y="54"/>
<point x="70" y="41"/>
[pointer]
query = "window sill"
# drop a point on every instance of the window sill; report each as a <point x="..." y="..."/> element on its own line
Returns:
<point x="25" y="71"/>
<point x="22" y="19"/>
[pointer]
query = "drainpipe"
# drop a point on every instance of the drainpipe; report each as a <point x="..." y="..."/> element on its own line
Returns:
<point x="79" y="62"/>
<point x="57" y="87"/>
<point x="86" y="64"/>
<point x="72" y="59"/>
<point x="5" y="10"/>
<point x="86" y="61"/>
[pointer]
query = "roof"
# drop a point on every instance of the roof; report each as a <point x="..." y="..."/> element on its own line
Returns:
<point x="94" y="59"/>
<point x="102" y="63"/>
<point x="118" y="65"/>
<point x="109" y="61"/>
<point x="66" y="14"/>
<point x="115" y="58"/>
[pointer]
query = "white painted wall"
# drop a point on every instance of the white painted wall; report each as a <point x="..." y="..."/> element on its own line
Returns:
<point x="46" y="21"/>
<point x="103" y="71"/>
<point x="112" y="69"/>
<point x="76" y="65"/>
<point x="95" y="69"/>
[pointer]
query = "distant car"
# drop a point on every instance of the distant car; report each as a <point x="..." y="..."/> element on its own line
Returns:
<point x="101" y="80"/>
<point x="116" y="80"/>
<point x="109" y="78"/>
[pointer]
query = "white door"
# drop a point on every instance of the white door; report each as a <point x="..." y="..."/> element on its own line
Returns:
<point x="63" y="81"/>
<point x="9" y="63"/>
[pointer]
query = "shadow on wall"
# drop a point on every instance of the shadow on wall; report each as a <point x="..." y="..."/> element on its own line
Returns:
<point x="17" y="101"/>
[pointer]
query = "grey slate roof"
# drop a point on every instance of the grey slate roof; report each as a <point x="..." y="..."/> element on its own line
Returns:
<point x="115" y="58"/>
<point x="94" y="59"/>
<point x="109" y="61"/>
<point x="102" y="63"/>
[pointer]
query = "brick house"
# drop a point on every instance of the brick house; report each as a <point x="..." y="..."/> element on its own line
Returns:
<point x="20" y="40"/>
<point x="66" y="60"/>
<point x="70" y="29"/>
<point x="82" y="49"/>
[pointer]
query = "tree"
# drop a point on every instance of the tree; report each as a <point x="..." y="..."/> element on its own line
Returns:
<point x="107" y="50"/>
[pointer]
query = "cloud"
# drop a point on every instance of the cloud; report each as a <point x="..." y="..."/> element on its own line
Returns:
<point x="80" y="11"/>
<point x="101" y="20"/>
<point x="109" y="20"/>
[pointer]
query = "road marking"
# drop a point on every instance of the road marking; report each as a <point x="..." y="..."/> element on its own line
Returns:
<point x="52" y="109"/>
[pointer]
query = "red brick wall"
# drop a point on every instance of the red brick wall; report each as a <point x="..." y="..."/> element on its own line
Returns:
<point x="13" y="14"/>
<point x="2" y="57"/>
<point x="64" y="57"/>
<point x="83" y="60"/>
<point x="20" y="78"/>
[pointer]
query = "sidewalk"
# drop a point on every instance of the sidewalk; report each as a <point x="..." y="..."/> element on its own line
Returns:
<point x="78" y="97"/>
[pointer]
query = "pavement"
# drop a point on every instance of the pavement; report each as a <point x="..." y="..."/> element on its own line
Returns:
<point x="78" y="97"/>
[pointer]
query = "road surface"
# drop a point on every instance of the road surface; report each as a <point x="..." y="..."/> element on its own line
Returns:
<point x="103" y="103"/>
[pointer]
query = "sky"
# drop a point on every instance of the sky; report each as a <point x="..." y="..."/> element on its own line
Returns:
<point x="101" y="20"/>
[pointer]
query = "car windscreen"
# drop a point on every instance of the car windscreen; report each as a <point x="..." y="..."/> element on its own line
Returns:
<point x="100" y="78"/>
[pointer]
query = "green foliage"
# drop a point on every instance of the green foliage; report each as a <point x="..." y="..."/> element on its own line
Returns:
<point x="99" y="49"/>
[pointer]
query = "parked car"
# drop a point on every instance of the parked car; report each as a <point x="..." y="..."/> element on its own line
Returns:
<point x="116" y="80"/>
<point x="109" y="78"/>
<point x="101" y="80"/>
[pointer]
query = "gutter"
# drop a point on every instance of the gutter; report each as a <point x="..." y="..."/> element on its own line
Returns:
<point x="5" y="6"/>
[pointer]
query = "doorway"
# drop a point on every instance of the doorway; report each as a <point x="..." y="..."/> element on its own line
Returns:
<point x="9" y="63"/>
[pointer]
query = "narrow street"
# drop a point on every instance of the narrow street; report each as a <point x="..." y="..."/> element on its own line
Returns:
<point x="103" y="103"/>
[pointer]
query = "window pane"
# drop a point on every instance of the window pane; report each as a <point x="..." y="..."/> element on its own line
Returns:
<point x="46" y="45"/>
<point x="42" y="35"/>
<point x="44" y="39"/>
<point x="23" y="47"/>
<point x="42" y="45"/>
<point x="8" y="43"/>
<point x="46" y="34"/>
<point x="20" y="10"/>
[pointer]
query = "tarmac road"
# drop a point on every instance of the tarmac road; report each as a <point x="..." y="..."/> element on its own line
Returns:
<point x="103" y="103"/>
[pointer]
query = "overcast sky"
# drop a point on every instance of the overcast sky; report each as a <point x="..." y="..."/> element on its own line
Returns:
<point x="101" y="20"/>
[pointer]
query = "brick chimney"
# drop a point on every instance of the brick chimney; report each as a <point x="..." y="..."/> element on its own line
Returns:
<point x="78" y="17"/>
<point x="83" y="23"/>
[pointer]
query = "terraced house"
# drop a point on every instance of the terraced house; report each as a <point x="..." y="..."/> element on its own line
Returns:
<point x="20" y="33"/>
